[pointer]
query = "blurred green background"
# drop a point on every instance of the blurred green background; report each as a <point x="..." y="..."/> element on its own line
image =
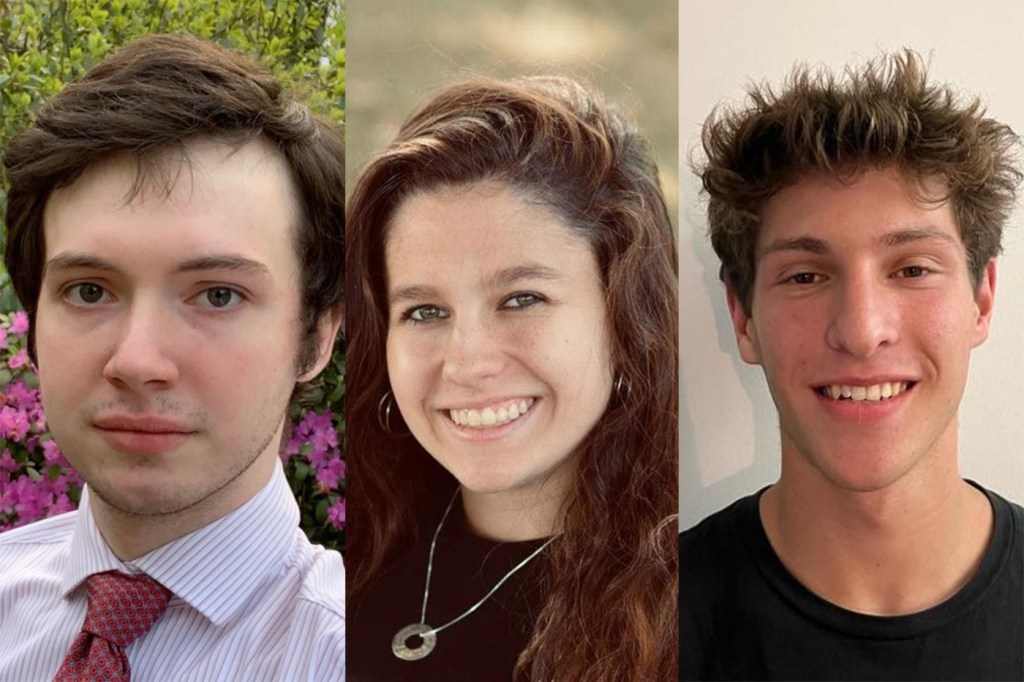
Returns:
<point x="401" y="51"/>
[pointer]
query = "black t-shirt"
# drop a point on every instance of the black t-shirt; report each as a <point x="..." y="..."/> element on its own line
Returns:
<point x="483" y="646"/>
<point x="743" y="616"/>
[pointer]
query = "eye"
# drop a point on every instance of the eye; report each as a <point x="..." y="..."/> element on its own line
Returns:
<point x="425" y="313"/>
<point x="805" y="278"/>
<point x="523" y="300"/>
<point x="912" y="271"/>
<point x="86" y="293"/>
<point x="219" y="297"/>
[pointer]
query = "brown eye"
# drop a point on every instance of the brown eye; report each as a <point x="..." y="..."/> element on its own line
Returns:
<point x="804" y="278"/>
<point x="913" y="271"/>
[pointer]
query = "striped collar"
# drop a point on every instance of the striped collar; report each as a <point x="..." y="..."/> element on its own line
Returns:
<point x="216" y="568"/>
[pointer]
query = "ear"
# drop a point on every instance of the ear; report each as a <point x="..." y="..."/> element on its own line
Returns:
<point x="984" y="301"/>
<point x="743" y="326"/>
<point x="326" y="332"/>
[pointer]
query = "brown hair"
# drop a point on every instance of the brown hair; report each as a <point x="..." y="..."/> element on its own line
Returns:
<point x="885" y="113"/>
<point x="611" y="578"/>
<point x="151" y="97"/>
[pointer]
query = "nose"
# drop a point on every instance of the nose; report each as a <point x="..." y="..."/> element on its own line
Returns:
<point x="473" y="352"/>
<point x="140" y="358"/>
<point x="864" y="317"/>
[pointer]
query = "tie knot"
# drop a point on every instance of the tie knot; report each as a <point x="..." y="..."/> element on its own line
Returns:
<point x="123" y="607"/>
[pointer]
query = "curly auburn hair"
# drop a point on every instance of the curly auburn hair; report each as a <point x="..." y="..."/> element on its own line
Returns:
<point x="149" y="100"/>
<point x="885" y="113"/>
<point x="610" y="580"/>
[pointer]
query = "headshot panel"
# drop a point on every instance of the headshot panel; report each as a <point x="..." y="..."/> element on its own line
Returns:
<point x="850" y="296"/>
<point x="173" y="282"/>
<point x="729" y="445"/>
<point x="511" y="330"/>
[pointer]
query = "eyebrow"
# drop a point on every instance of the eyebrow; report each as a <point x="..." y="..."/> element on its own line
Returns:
<point x="807" y="244"/>
<point x="911" y="235"/>
<point x="73" y="260"/>
<point x="502" y="278"/>
<point x="889" y="239"/>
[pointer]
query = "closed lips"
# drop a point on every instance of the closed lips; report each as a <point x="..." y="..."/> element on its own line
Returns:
<point x="141" y="425"/>
<point x="492" y="415"/>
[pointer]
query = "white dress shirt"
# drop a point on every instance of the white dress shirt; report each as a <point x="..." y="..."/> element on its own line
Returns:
<point x="253" y="600"/>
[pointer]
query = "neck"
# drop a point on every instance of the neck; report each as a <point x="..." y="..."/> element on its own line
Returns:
<point x="898" y="549"/>
<point x="129" y="536"/>
<point x="516" y="515"/>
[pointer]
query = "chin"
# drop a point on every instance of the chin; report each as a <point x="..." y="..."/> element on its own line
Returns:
<point x="862" y="476"/>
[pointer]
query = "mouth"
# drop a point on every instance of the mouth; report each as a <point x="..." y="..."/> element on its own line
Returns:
<point x="142" y="424"/>
<point x="865" y="393"/>
<point x="142" y="435"/>
<point x="491" y="416"/>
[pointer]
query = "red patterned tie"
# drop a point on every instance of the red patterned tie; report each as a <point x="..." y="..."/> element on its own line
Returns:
<point x="122" y="608"/>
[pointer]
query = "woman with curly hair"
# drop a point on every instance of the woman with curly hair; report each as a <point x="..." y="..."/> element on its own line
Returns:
<point x="512" y="395"/>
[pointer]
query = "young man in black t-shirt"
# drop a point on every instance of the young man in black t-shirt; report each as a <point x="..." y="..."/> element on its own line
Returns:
<point x="858" y="221"/>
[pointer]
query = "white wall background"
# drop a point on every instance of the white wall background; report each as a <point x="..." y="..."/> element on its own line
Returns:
<point x="729" y="441"/>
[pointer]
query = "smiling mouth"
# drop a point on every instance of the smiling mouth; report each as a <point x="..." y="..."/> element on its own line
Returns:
<point x="492" y="415"/>
<point x="872" y="393"/>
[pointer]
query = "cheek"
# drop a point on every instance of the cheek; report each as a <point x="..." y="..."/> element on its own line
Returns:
<point x="407" y="363"/>
<point x="787" y="337"/>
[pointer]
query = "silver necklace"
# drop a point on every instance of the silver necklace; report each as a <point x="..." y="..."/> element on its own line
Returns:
<point x="427" y="634"/>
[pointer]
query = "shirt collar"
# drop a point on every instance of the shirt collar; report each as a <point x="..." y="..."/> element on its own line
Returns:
<point x="215" y="568"/>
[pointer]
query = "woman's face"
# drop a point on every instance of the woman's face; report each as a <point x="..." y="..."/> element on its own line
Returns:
<point x="498" y="342"/>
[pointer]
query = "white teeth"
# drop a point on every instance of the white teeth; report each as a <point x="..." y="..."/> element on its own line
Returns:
<point x="873" y="393"/>
<point x="491" y="416"/>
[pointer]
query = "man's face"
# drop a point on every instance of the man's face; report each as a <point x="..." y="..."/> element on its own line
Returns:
<point x="167" y="328"/>
<point x="863" y="319"/>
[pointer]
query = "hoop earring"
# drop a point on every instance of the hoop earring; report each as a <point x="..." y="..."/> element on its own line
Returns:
<point x="622" y="388"/>
<point x="384" y="412"/>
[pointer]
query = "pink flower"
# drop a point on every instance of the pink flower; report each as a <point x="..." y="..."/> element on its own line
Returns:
<point x="19" y="360"/>
<point x="336" y="514"/>
<point x="62" y="505"/>
<point x="7" y="462"/>
<point x="51" y="453"/>
<point x="3" y="338"/>
<point x="13" y="423"/>
<point x="21" y="396"/>
<point x="331" y="474"/>
<point x="19" y="323"/>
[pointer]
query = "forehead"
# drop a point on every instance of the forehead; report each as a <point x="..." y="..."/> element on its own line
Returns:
<point x="215" y="197"/>
<point x="475" y="229"/>
<point x="865" y="210"/>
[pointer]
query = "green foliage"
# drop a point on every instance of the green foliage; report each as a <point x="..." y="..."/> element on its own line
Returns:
<point x="45" y="44"/>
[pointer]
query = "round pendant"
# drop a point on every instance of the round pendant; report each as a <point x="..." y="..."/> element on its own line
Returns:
<point x="400" y="641"/>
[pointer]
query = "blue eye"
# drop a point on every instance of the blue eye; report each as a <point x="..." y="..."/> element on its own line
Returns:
<point x="425" y="313"/>
<point x="219" y="297"/>
<point x="524" y="300"/>
<point x="86" y="293"/>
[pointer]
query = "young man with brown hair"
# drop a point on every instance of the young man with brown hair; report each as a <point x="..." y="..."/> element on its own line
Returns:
<point x="858" y="221"/>
<point x="175" y="234"/>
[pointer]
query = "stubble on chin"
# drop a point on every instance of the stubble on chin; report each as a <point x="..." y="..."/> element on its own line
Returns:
<point x="178" y="497"/>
